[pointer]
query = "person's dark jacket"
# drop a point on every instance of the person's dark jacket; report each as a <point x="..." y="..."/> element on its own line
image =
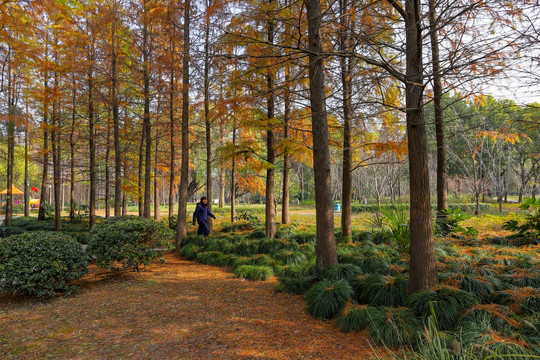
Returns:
<point x="201" y="213"/>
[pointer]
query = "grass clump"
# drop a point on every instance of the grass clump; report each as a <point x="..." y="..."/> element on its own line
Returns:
<point x="190" y="251"/>
<point x="395" y="327"/>
<point x="289" y="257"/>
<point x="327" y="298"/>
<point x="254" y="272"/>
<point x="446" y="303"/>
<point x="342" y="271"/>
<point x="382" y="290"/>
<point x="355" y="317"/>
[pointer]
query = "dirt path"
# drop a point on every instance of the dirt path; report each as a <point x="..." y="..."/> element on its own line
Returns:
<point x="176" y="310"/>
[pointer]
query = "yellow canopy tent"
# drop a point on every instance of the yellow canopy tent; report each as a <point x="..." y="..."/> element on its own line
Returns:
<point x="14" y="191"/>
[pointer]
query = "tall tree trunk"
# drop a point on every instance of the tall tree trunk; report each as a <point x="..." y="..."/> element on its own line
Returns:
<point x="25" y="189"/>
<point x="92" y="148"/>
<point x="233" y="175"/>
<point x="55" y="140"/>
<point x="157" y="213"/>
<point x="221" y="171"/>
<point x="45" y="125"/>
<point x="423" y="266"/>
<point x="72" y="154"/>
<point x="181" y="228"/>
<point x="11" y="142"/>
<point x="107" y="170"/>
<point x="146" y="121"/>
<point x="346" y="84"/>
<point x="270" y="226"/>
<point x="442" y="187"/>
<point x="140" y="174"/>
<point x="326" y="245"/>
<point x="116" y="119"/>
<point x="172" y="150"/>
<point x="207" y="113"/>
<point x="285" y="214"/>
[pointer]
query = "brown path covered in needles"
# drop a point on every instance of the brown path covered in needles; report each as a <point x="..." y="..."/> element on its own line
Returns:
<point x="176" y="310"/>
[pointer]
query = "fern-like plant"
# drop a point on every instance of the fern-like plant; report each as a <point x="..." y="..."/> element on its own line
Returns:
<point x="253" y="272"/>
<point x="395" y="327"/>
<point x="326" y="298"/>
<point x="356" y="317"/>
<point x="382" y="290"/>
<point x="342" y="271"/>
<point x="445" y="303"/>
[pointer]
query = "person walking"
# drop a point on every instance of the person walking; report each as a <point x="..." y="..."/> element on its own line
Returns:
<point x="201" y="214"/>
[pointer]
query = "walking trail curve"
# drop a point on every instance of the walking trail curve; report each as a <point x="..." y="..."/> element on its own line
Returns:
<point x="176" y="310"/>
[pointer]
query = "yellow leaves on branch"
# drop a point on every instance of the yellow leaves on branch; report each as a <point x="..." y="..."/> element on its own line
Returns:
<point x="399" y="148"/>
<point x="503" y="134"/>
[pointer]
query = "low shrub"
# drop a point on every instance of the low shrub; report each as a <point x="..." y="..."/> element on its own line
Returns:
<point x="489" y="343"/>
<point x="395" y="327"/>
<point x="296" y="286"/>
<point x="447" y="304"/>
<point x="326" y="298"/>
<point x="215" y="258"/>
<point x="342" y="271"/>
<point x="356" y="317"/>
<point x="128" y="241"/>
<point x="499" y="317"/>
<point x="382" y="290"/>
<point x="289" y="257"/>
<point x="190" y="251"/>
<point x="40" y="263"/>
<point x="253" y="272"/>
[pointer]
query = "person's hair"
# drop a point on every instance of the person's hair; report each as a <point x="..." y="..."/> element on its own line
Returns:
<point x="204" y="198"/>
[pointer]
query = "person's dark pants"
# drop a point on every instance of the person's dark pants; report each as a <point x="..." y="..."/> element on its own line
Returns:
<point x="203" y="229"/>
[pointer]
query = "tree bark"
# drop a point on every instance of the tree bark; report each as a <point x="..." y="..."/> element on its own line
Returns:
<point x="157" y="213"/>
<point x="146" y="120"/>
<point x="423" y="269"/>
<point x="11" y="143"/>
<point x="270" y="224"/>
<point x="326" y="245"/>
<point x="116" y="120"/>
<point x="172" y="145"/>
<point x="72" y="154"/>
<point x="45" y="125"/>
<point x="92" y="148"/>
<point x="442" y="187"/>
<point x="285" y="213"/>
<point x="207" y="113"/>
<point x="346" y="83"/>
<point x="233" y="176"/>
<point x="55" y="140"/>
<point x="26" y="191"/>
<point x="107" y="172"/>
<point x="181" y="228"/>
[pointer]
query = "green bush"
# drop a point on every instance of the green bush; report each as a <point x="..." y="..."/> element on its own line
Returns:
<point x="128" y="241"/>
<point x="40" y="263"/>
<point x="296" y="286"/>
<point x="499" y="317"/>
<point x="381" y="290"/>
<point x="395" y="327"/>
<point x="190" y="251"/>
<point x="253" y="272"/>
<point x="480" y="286"/>
<point x="448" y="303"/>
<point x="288" y="257"/>
<point x="326" y="298"/>
<point x="489" y="343"/>
<point x="212" y="258"/>
<point x="356" y="317"/>
<point x="342" y="271"/>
